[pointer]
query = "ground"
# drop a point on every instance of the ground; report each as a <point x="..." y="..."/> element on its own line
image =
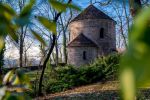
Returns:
<point x="88" y="92"/>
<point x="98" y="91"/>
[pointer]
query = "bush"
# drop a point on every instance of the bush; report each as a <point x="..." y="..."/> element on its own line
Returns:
<point x="67" y="77"/>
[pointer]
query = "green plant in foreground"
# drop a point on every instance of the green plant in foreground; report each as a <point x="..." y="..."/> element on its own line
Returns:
<point x="135" y="65"/>
<point x="11" y="22"/>
<point x="15" y="82"/>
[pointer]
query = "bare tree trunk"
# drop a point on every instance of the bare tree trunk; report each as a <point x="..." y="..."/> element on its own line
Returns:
<point x="64" y="28"/>
<point x="57" y="55"/>
<point x="21" y="49"/>
<point x="44" y="65"/>
<point x="122" y="33"/>
<point x="126" y="15"/>
<point x="48" y="55"/>
<point x="60" y="54"/>
<point x="64" y="47"/>
<point x="25" y="59"/>
<point x="21" y="4"/>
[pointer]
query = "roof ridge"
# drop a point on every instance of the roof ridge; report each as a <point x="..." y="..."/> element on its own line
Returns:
<point x="92" y="12"/>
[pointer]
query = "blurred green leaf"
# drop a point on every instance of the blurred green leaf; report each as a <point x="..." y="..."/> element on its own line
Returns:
<point x="128" y="84"/>
<point x="16" y="81"/>
<point x="24" y="79"/>
<point x="12" y="32"/>
<point x="24" y="16"/>
<point x="23" y="76"/>
<point x="59" y="6"/>
<point x="6" y="8"/>
<point x="7" y="25"/>
<point x="26" y="11"/>
<point x="73" y="7"/>
<point x="15" y="97"/>
<point x="38" y="37"/>
<point x="137" y="57"/>
<point x="50" y="25"/>
<point x="7" y="76"/>
<point x="1" y="42"/>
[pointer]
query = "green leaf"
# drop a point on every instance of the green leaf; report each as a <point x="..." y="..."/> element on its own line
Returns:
<point x="38" y="37"/>
<point x="127" y="84"/>
<point x="16" y="81"/>
<point x="73" y="7"/>
<point x="50" y="25"/>
<point x="7" y="8"/>
<point x="137" y="57"/>
<point x="1" y="43"/>
<point x="59" y="6"/>
<point x="12" y="32"/>
<point x="24" y="16"/>
<point x="7" y="76"/>
<point x="27" y="9"/>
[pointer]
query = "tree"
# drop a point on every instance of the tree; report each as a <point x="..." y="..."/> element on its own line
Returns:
<point x="135" y="62"/>
<point x="62" y="7"/>
<point x="64" y="22"/>
<point x="10" y="23"/>
<point x="122" y="17"/>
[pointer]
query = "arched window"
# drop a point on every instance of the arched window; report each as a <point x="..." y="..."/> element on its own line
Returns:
<point x="84" y="55"/>
<point x="101" y="33"/>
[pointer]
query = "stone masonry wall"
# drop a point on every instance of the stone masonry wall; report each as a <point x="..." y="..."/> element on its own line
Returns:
<point x="75" y="55"/>
<point x="91" y="29"/>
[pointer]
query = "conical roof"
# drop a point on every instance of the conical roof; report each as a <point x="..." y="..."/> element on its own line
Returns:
<point x="80" y="41"/>
<point x="91" y="12"/>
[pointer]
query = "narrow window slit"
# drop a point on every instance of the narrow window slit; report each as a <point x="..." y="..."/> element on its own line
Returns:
<point x="84" y="55"/>
<point x="102" y="33"/>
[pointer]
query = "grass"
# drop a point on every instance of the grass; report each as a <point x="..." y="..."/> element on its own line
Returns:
<point x="33" y="75"/>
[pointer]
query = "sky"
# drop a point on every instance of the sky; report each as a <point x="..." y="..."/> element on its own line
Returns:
<point x="13" y="52"/>
<point x="82" y="3"/>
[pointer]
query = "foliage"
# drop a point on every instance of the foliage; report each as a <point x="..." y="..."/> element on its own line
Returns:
<point x="15" y="82"/>
<point x="61" y="6"/>
<point x="135" y="63"/>
<point x="2" y="57"/>
<point x="11" y="21"/>
<point x="46" y="22"/>
<point x="9" y="24"/>
<point x="67" y="77"/>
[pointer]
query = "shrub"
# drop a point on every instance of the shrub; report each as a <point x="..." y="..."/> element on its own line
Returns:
<point x="109" y="66"/>
<point x="67" y="77"/>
